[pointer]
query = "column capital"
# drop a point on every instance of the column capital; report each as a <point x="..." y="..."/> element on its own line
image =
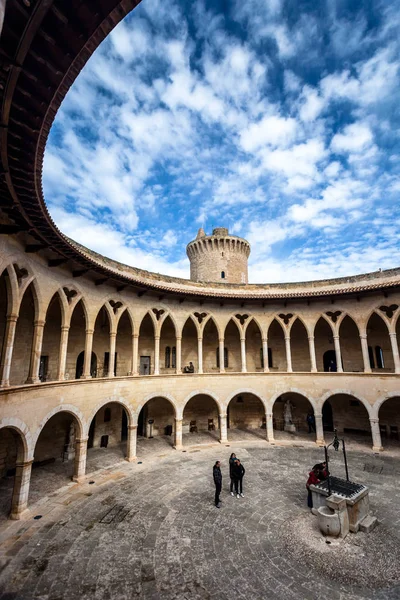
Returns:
<point x="243" y="338"/>
<point x="178" y="337"/>
<point x="81" y="440"/>
<point x="13" y="318"/>
<point x="393" y="334"/>
<point x="132" y="427"/>
<point x="363" y="336"/>
<point x="264" y="340"/>
<point x="39" y="323"/>
<point x="113" y="334"/>
<point x="25" y="463"/>
<point x="89" y="331"/>
<point x="65" y="328"/>
<point x="287" y="337"/>
<point x="221" y="340"/>
<point x="373" y="420"/>
<point x="135" y="335"/>
<point x="269" y="415"/>
<point x="223" y="415"/>
<point x="178" y="420"/>
<point x="200" y="338"/>
<point x="157" y="337"/>
<point x="310" y="337"/>
<point x="335" y="337"/>
<point x="317" y="415"/>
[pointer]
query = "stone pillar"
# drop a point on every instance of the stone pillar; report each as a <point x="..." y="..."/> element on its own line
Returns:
<point x="312" y="354"/>
<point x="179" y="356"/>
<point x="243" y="354"/>
<point x="339" y="366"/>
<point x="19" y="503"/>
<point x="200" y="354"/>
<point x="288" y="354"/>
<point x="178" y="434"/>
<point x="376" y="435"/>
<point x="9" y="335"/>
<point x="221" y="356"/>
<point x="80" y="459"/>
<point x="223" y="428"/>
<point x="131" y="443"/>
<point x="135" y="352"/>
<point x="265" y="355"/>
<point x="88" y="354"/>
<point x="62" y="360"/>
<point x="395" y="352"/>
<point x="38" y="329"/>
<point x="111" y="359"/>
<point x="364" y="348"/>
<point x="156" y="355"/>
<point x="270" y="427"/>
<point x="320" y="440"/>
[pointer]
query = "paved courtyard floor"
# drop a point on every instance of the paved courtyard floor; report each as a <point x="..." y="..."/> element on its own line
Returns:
<point x="151" y="531"/>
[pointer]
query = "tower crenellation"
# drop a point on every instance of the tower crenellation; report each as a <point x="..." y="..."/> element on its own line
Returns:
<point x="219" y="257"/>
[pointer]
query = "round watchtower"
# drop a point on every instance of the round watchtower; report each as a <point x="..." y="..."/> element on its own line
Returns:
<point x="218" y="257"/>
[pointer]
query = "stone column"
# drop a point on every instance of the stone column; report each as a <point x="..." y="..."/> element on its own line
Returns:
<point x="111" y="360"/>
<point x="62" y="359"/>
<point x="200" y="354"/>
<point x="223" y="428"/>
<point x="364" y="348"/>
<point x="395" y="352"/>
<point x="178" y="434"/>
<point x="376" y="435"/>
<point x="156" y="355"/>
<point x="270" y="427"/>
<point x="38" y="329"/>
<point x="320" y="440"/>
<point x="265" y="355"/>
<point x="19" y="503"/>
<point x="243" y="354"/>
<point x="80" y="459"/>
<point x="9" y="335"/>
<point x="131" y="443"/>
<point x="88" y="354"/>
<point x="312" y="354"/>
<point x="135" y="352"/>
<point x="288" y="354"/>
<point x="339" y="366"/>
<point x="179" y="356"/>
<point x="221" y="355"/>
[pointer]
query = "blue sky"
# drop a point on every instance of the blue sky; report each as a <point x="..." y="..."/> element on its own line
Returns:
<point x="277" y="119"/>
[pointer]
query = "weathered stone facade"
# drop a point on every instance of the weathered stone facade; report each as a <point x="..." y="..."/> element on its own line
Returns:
<point x="219" y="257"/>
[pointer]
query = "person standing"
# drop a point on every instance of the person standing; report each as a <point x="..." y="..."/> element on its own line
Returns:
<point x="238" y="472"/>
<point x="311" y="422"/>
<point x="231" y="464"/>
<point x="217" y="475"/>
<point x="313" y="479"/>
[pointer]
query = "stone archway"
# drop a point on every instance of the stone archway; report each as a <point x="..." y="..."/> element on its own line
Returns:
<point x="107" y="436"/>
<point x="200" y="420"/>
<point x="12" y="453"/>
<point x="290" y="417"/>
<point x="246" y="418"/>
<point x="349" y="416"/>
<point x="156" y="424"/>
<point x="389" y="422"/>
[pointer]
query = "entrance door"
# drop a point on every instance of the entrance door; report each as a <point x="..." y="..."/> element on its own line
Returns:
<point x="144" y="365"/>
<point x="43" y="367"/>
<point x="327" y="416"/>
<point x="330" y="361"/>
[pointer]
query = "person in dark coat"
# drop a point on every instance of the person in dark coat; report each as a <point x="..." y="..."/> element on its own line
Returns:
<point x="238" y="471"/>
<point x="231" y="463"/>
<point x="217" y="475"/>
<point x="311" y="422"/>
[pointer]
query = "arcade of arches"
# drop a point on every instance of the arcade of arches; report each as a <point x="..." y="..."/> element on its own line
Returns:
<point x="107" y="373"/>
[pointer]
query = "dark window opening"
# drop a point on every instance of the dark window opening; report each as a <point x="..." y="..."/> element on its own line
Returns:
<point x="167" y="357"/>
<point x="222" y="274"/>
<point x="380" y="363"/>
<point x="371" y="357"/>
<point x="106" y="365"/>
<point x="173" y="361"/>
<point x="226" y="360"/>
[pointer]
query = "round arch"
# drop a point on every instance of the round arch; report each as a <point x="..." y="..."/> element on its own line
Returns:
<point x="245" y="391"/>
<point x="201" y="393"/>
<point x="348" y="413"/>
<point x="200" y="418"/>
<point x="375" y="408"/>
<point x="149" y="397"/>
<point x="24" y="433"/>
<point x="67" y="408"/>
<point x="246" y="415"/>
<point x="111" y="399"/>
<point x="271" y="401"/>
<point x="291" y="411"/>
<point x="345" y="392"/>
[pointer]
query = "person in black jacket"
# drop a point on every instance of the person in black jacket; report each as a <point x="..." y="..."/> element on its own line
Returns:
<point x="232" y="459"/>
<point x="218" y="482"/>
<point x="238" y="471"/>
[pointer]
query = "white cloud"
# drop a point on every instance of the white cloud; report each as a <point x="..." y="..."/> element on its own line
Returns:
<point x="271" y="130"/>
<point x="355" y="138"/>
<point x="311" y="104"/>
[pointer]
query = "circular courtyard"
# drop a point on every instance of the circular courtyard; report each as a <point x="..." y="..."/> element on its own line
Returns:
<point x="150" y="530"/>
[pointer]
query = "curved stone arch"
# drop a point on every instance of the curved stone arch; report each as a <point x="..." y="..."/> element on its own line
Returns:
<point x="23" y="430"/>
<point x="238" y="325"/>
<point x="342" y="318"/>
<point x="173" y="319"/>
<point x="374" y="311"/>
<point x="85" y="309"/>
<point x="127" y="310"/>
<point x="257" y="322"/>
<point x="152" y="317"/>
<point x="380" y="402"/>
<point x="195" y="322"/>
<point x="293" y="390"/>
<point x="149" y="397"/>
<point x="37" y="298"/>
<point x="63" y="306"/>
<point x="12" y="289"/>
<point x="245" y="391"/>
<point x="110" y="314"/>
<point x="194" y="393"/>
<point x="331" y="393"/>
<point x="211" y="317"/>
<point x="68" y="408"/>
<point x="301" y="319"/>
<point x="278" y="320"/>
<point x="326" y="319"/>
<point x="396" y="319"/>
<point x="115" y="399"/>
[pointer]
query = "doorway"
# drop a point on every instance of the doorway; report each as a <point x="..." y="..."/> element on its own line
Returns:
<point x="327" y="416"/>
<point x="144" y="365"/>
